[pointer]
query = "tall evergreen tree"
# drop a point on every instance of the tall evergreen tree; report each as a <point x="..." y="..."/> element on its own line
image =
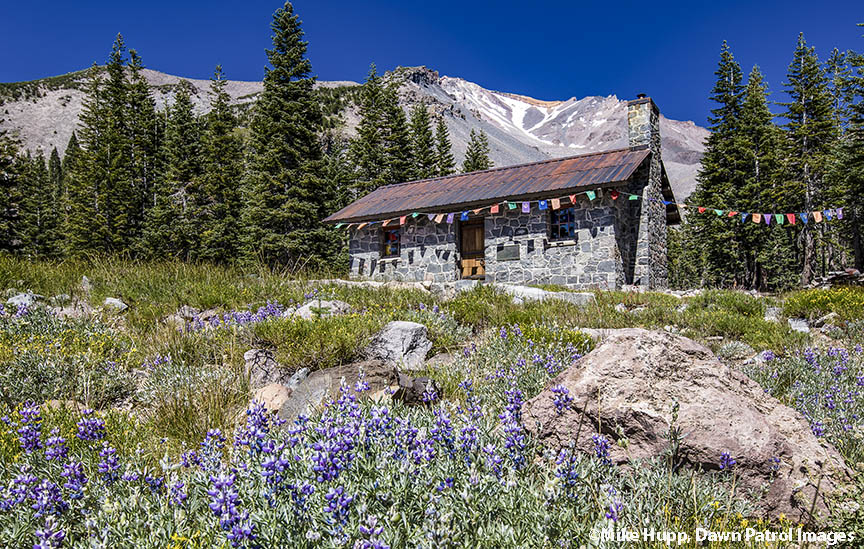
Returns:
<point x="38" y="209"/>
<point x="709" y="241"/>
<point x="170" y="224"/>
<point x="477" y="153"/>
<point x="367" y="151"/>
<point x="444" y="163"/>
<point x="144" y="147"/>
<point x="810" y="131"/>
<point x="397" y="138"/>
<point x="423" y="151"/>
<point x="217" y="198"/>
<point x="285" y="198"/>
<point x="10" y="239"/>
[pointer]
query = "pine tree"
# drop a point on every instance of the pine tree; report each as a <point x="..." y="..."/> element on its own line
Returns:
<point x="367" y="151"/>
<point x="444" y="163"/>
<point x="477" y="153"/>
<point x="217" y="198"/>
<point x="423" y="151"/>
<point x="10" y="239"/>
<point x="38" y="216"/>
<point x="170" y="224"/>
<point x="58" y="202"/>
<point x="144" y="140"/>
<point x="810" y="132"/>
<point x="70" y="165"/>
<point x="397" y="138"/>
<point x="710" y="241"/>
<point x="285" y="199"/>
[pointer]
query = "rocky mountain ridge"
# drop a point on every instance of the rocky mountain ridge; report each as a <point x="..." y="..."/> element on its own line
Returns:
<point x="43" y="114"/>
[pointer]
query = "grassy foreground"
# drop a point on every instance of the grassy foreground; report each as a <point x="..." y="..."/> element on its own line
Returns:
<point x="169" y="459"/>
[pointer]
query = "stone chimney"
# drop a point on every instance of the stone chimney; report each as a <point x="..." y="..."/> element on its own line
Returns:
<point x="643" y="123"/>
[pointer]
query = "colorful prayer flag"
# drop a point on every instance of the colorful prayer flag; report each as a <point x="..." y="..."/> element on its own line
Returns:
<point x="633" y="197"/>
<point x="667" y="202"/>
<point x="439" y="218"/>
<point x="415" y="214"/>
<point x="591" y="195"/>
<point x="572" y="198"/>
<point x="493" y="209"/>
<point x="556" y="203"/>
<point x="718" y="212"/>
<point x="386" y="222"/>
<point x="339" y="225"/>
<point x="791" y="218"/>
<point x="464" y="216"/>
<point x="757" y="218"/>
<point x="767" y="219"/>
<point x="779" y="218"/>
<point x="511" y="205"/>
<point x="543" y="204"/>
<point x="733" y="214"/>
<point x="744" y="217"/>
<point x="701" y="209"/>
<point x="430" y="217"/>
<point x="614" y="194"/>
<point x="829" y="214"/>
<point x="450" y="217"/>
<point x="817" y="217"/>
<point x="403" y="219"/>
<point x="839" y="213"/>
<point x="477" y="211"/>
<point x="804" y="217"/>
<point x="526" y="207"/>
<point x="360" y="226"/>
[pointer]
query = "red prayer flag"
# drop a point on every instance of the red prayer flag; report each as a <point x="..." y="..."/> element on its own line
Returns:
<point x="402" y="219"/>
<point x="733" y="214"/>
<point x="494" y="209"/>
<point x="572" y="198"/>
<point x="701" y="209"/>
<point x="614" y="194"/>
<point x="791" y="218"/>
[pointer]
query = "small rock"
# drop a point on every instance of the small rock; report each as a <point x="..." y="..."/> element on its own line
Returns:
<point x="298" y="377"/>
<point x="439" y="360"/>
<point x="412" y="389"/>
<point x="114" y="303"/>
<point x="681" y="308"/>
<point x="829" y="319"/>
<point x="321" y="308"/>
<point x="621" y="308"/>
<point x="23" y="300"/>
<point x="799" y="325"/>
<point x="714" y="338"/>
<point x="188" y="313"/>
<point x="273" y="396"/>
<point x="772" y="314"/>
<point x="527" y="293"/>
<point x="401" y="344"/>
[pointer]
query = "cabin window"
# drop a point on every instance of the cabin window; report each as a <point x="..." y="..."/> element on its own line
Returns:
<point x="390" y="243"/>
<point x="562" y="224"/>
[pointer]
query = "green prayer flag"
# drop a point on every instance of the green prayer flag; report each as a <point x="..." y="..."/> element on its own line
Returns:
<point x="415" y="214"/>
<point x="591" y="195"/>
<point x="338" y="225"/>
<point x="779" y="218"/>
<point x="511" y="205"/>
<point x="633" y="197"/>
<point x="718" y="212"/>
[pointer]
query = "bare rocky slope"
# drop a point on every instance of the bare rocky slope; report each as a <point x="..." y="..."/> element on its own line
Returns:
<point x="44" y="113"/>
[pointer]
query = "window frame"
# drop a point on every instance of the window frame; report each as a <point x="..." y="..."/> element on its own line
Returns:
<point x="552" y="224"/>
<point x="398" y="242"/>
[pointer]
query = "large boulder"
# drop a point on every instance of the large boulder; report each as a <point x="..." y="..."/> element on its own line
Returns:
<point x="27" y="299"/>
<point x="321" y="308"/>
<point x="115" y="304"/>
<point x="401" y="344"/>
<point x="627" y="386"/>
<point x="522" y="294"/>
<point x="262" y="368"/>
<point x="321" y="385"/>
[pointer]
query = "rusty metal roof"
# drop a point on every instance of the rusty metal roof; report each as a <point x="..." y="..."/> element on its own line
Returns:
<point x="547" y="178"/>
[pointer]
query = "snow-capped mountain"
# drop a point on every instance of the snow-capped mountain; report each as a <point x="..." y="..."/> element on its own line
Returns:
<point x="43" y="114"/>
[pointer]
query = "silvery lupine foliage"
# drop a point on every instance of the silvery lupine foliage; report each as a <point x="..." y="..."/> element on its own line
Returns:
<point x="828" y="389"/>
<point x="460" y="471"/>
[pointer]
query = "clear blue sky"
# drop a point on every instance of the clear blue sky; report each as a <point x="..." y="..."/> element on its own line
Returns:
<point x="548" y="50"/>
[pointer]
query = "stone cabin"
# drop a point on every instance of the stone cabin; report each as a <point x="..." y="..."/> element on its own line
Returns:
<point x="405" y="231"/>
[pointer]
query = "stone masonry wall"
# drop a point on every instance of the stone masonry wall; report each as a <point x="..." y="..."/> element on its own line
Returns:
<point x="428" y="252"/>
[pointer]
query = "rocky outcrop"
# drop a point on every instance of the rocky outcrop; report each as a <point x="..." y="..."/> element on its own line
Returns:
<point x="114" y="304"/>
<point x="262" y="368"/>
<point x="318" y="308"/>
<point x="27" y="299"/>
<point x="626" y="387"/>
<point x="400" y="344"/>
<point x="521" y="294"/>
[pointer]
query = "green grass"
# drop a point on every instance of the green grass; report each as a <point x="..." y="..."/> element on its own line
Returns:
<point x="847" y="302"/>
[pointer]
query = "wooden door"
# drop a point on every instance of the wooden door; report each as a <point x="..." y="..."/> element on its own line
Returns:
<point x="472" y="246"/>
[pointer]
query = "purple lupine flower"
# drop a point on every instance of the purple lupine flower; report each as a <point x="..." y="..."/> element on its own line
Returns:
<point x="178" y="494"/>
<point x="257" y="426"/>
<point x="818" y="428"/>
<point x="338" y="503"/>
<point x="30" y="431"/>
<point x="567" y="461"/>
<point x="371" y="530"/>
<point x="47" y="499"/>
<point x="242" y="530"/>
<point x="768" y="356"/>
<point x="109" y="465"/>
<point x="90" y="428"/>
<point x="55" y="446"/>
<point x="614" y="511"/>
<point x="210" y="458"/>
<point x="562" y="399"/>
<point x="73" y="472"/>
<point x="726" y="461"/>
<point x="493" y="460"/>
<point x="601" y="449"/>
<point x="49" y="536"/>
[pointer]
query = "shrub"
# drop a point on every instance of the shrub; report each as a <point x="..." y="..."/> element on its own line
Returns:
<point x="847" y="302"/>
